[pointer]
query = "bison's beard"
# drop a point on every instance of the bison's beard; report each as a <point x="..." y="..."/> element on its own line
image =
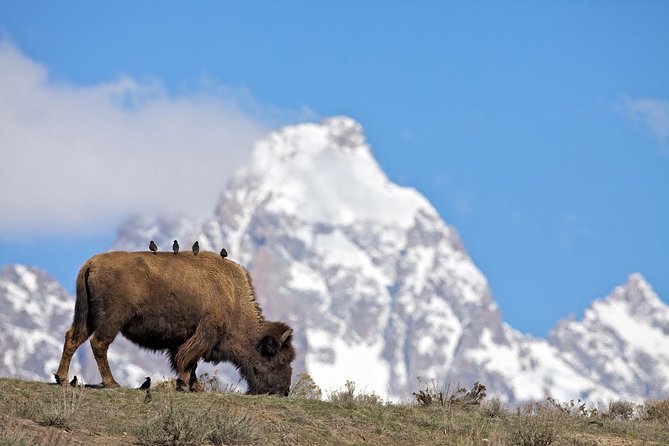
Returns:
<point x="272" y="382"/>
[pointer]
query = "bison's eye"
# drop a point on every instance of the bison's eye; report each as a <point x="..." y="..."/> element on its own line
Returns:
<point x="282" y="360"/>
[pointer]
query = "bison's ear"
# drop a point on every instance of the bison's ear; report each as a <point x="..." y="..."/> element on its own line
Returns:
<point x="268" y="346"/>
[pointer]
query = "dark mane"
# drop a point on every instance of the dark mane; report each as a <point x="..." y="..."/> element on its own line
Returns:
<point x="252" y="297"/>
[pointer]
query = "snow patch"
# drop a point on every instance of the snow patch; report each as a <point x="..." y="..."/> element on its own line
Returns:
<point x="360" y="363"/>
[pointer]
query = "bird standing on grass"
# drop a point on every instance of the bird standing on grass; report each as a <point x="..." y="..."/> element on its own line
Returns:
<point x="196" y="248"/>
<point x="148" y="397"/>
<point x="152" y="247"/>
<point x="74" y="381"/>
<point x="224" y="253"/>
<point x="146" y="384"/>
<point x="175" y="247"/>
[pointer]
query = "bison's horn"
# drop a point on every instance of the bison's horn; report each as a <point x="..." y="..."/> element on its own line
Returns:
<point x="285" y="336"/>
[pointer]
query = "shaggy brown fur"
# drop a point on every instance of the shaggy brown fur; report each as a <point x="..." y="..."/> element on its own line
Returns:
<point x="192" y="307"/>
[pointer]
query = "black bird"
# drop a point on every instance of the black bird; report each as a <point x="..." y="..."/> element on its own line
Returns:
<point x="146" y="384"/>
<point x="196" y="248"/>
<point x="175" y="247"/>
<point x="148" y="397"/>
<point x="73" y="383"/>
<point x="152" y="247"/>
<point x="224" y="253"/>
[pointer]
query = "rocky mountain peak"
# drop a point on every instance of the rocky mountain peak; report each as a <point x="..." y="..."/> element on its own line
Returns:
<point x="623" y="339"/>
<point x="638" y="294"/>
<point x="320" y="173"/>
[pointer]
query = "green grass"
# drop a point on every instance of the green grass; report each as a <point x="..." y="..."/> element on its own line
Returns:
<point x="39" y="413"/>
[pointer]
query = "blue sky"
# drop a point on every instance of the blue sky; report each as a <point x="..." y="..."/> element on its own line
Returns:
<point x="539" y="130"/>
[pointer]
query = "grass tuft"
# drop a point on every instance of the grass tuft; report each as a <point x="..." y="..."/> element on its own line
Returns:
<point x="622" y="410"/>
<point x="533" y="430"/>
<point x="348" y="398"/>
<point x="452" y="396"/>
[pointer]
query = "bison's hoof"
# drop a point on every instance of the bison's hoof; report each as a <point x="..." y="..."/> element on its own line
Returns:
<point x="181" y="385"/>
<point x="196" y="387"/>
<point x="60" y="380"/>
<point x="111" y="385"/>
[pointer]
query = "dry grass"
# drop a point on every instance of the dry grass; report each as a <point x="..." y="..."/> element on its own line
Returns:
<point x="119" y="416"/>
<point x="179" y="425"/>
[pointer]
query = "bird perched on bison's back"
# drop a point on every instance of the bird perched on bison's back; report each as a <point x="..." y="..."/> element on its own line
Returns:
<point x="196" y="248"/>
<point x="74" y="381"/>
<point x="224" y="253"/>
<point x="146" y="384"/>
<point x="175" y="247"/>
<point x="152" y="247"/>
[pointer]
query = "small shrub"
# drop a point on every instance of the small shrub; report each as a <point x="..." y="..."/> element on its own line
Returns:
<point x="305" y="388"/>
<point x="174" y="427"/>
<point x="451" y="396"/>
<point x="493" y="408"/>
<point x="236" y="430"/>
<point x="656" y="410"/>
<point x="345" y="396"/>
<point x="576" y="408"/>
<point x="622" y="410"/>
<point x="64" y="412"/>
<point x="348" y="397"/>
<point x="212" y="383"/>
<point x="532" y="430"/>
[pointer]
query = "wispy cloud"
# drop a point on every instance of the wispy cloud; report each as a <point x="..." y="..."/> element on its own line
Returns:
<point x="573" y="229"/>
<point x="652" y="114"/>
<point x="81" y="158"/>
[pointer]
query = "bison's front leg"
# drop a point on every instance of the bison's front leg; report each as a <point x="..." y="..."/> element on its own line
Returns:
<point x="195" y="385"/>
<point x="191" y="382"/>
<point x="186" y="358"/>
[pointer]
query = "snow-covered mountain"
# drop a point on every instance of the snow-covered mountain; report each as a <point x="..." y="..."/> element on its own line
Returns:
<point x="623" y="340"/>
<point x="35" y="312"/>
<point x="379" y="289"/>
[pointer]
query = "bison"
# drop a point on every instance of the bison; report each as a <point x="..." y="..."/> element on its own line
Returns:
<point x="191" y="307"/>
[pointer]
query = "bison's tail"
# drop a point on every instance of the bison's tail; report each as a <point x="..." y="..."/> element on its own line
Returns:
<point x="80" y="324"/>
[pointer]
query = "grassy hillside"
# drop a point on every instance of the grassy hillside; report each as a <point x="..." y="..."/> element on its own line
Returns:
<point x="39" y="413"/>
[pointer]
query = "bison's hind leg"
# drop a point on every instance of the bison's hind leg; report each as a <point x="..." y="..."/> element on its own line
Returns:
<point x="69" y="348"/>
<point x="100" y="345"/>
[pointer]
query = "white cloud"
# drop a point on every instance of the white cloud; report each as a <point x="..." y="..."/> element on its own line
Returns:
<point x="79" y="159"/>
<point x="653" y="114"/>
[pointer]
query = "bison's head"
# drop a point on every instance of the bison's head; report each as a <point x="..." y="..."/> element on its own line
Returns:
<point x="272" y="369"/>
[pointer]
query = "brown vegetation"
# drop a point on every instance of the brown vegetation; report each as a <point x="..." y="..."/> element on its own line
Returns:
<point x="120" y="416"/>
